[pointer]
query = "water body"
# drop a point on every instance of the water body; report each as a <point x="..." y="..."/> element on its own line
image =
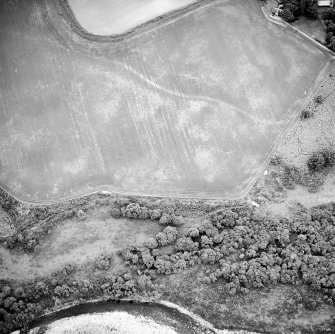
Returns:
<point x="110" y="17"/>
<point x="113" y="317"/>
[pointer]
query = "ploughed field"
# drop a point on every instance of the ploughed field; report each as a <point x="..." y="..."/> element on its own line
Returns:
<point x="189" y="108"/>
<point x="109" y="17"/>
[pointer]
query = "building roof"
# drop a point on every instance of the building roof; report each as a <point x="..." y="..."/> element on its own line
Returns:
<point x="324" y="3"/>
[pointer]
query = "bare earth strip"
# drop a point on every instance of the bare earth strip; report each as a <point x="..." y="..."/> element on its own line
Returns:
<point x="189" y="109"/>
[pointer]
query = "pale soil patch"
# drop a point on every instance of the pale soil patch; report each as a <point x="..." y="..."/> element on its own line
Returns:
<point x="109" y="17"/>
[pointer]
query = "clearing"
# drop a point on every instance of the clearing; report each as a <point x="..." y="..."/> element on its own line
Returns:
<point x="75" y="242"/>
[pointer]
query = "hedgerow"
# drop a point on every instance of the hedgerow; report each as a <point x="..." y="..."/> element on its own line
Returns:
<point x="137" y="211"/>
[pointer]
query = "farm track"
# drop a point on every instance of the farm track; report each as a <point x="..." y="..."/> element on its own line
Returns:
<point x="180" y="95"/>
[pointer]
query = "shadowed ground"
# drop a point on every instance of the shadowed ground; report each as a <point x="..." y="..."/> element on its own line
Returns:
<point x="191" y="108"/>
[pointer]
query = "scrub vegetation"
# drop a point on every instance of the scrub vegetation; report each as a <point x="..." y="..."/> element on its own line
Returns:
<point x="321" y="160"/>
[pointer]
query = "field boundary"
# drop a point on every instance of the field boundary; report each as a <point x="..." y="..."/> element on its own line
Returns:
<point x="65" y="10"/>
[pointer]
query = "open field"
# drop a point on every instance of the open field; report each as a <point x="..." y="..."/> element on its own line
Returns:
<point x="189" y="109"/>
<point x="106" y="17"/>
